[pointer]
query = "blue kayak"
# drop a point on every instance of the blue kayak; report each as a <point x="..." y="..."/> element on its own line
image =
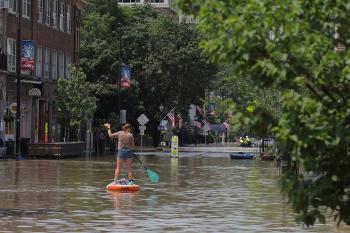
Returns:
<point x="242" y="156"/>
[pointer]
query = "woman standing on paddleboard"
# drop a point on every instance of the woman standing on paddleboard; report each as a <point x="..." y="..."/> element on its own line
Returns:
<point x="124" y="155"/>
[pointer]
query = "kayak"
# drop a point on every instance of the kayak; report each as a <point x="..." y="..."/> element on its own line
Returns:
<point x="122" y="186"/>
<point x="242" y="156"/>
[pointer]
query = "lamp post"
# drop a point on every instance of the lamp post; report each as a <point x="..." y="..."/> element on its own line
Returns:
<point x="161" y="108"/>
<point x="18" y="79"/>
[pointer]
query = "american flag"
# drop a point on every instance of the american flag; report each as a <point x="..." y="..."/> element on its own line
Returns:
<point x="205" y="122"/>
<point x="180" y="121"/>
<point x="171" y="117"/>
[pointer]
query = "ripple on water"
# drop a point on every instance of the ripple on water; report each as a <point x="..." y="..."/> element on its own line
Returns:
<point x="195" y="194"/>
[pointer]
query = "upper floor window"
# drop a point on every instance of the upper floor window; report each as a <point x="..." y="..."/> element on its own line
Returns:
<point x="47" y="10"/>
<point x="61" y="22"/>
<point x="4" y="3"/>
<point x="12" y="6"/>
<point x="157" y="1"/>
<point x="68" y="66"/>
<point x="11" y="55"/>
<point x="54" y="13"/>
<point x="69" y="19"/>
<point x="129" y="1"/>
<point x="54" y="64"/>
<point x="40" y="4"/>
<point x="60" y="65"/>
<point x="27" y="9"/>
<point x="46" y="53"/>
<point x="39" y="61"/>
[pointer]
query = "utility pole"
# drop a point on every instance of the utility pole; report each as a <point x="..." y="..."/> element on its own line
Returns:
<point x="119" y="64"/>
<point x="18" y="79"/>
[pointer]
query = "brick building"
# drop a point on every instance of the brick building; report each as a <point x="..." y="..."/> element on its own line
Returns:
<point x="54" y="26"/>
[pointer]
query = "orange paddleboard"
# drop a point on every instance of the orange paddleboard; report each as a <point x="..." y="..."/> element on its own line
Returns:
<point x="122" y="187"/>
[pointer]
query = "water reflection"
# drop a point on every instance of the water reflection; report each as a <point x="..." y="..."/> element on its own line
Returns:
<point x="196" y="193"/>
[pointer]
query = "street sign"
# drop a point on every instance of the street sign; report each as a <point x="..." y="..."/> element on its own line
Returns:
<point x="142" y="129"/>
<point x="142" y="119"/>
<point x="206" y="128"/>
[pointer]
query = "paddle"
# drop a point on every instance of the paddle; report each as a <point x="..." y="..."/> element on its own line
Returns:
<point x="153" y="176"/>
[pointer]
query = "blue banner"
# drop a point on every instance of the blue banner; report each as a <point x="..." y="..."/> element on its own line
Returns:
<point x="28" y="55"/>
<point x="126" y="76"/>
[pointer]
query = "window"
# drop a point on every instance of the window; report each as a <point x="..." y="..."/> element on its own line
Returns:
<point x="11" y="55"/>
<point x="27" y="9"/>
<point x="129" y="1"/>
<point x="46" y="52"/>
<point x="54" y="64"/>
<point x="47" y="9"/>
<point x="68" y="66"/>
<point x="60" y="65"/>
<point x="157" y="1"/>
<point x="69" y="19"/>
<point x="54" y="13"/>
<point x="39" y="61"/>
<point x="62" y="15"/>
<point x="4" y="3"/>
<point x="40" y="11"/>
<point x="13" y="6"/>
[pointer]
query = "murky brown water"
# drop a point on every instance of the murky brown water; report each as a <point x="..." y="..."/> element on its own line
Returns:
<point x="195" y="194"/>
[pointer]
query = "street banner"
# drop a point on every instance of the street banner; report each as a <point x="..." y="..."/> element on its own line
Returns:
<point x="171" y="117"/>
<point x="126" y="76"/>
<point x="163" y="125"/>
<point x="199" y="117"/>
<point x="28" y="55"/>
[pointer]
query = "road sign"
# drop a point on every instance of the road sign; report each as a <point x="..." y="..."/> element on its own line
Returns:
<point x="206" y="128"/>
<point x="142" y="119"/>
<point x="142" y="129"/>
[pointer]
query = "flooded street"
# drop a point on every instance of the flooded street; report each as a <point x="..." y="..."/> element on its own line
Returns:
<point x="206" y="193"/>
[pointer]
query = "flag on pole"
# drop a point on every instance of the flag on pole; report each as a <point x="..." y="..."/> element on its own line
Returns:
<point x="171" y="117"/>
<point x="205" y="122"/>
<point x="180" y="121"/>
<point x="198" y="118"/>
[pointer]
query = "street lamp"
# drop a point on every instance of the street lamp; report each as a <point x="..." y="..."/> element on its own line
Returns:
<point x="18" y="79"/>
<point x="161" y="108"/>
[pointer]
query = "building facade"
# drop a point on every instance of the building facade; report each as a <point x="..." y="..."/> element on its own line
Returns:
<point x="54" y="26"/>
<point x="164" y="6"/>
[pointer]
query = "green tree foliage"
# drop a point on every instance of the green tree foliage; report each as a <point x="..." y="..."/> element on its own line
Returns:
<point x="298" y="47"/>
<point x="168" y="67"/>
<point x="75" y="101"/>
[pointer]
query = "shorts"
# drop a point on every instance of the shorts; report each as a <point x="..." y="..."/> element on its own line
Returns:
<point x="124" y="153"/>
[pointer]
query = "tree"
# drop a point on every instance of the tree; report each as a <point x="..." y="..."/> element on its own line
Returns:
<point x="301" y="48"/>
<point x="76" y="102"/>
<point x="168" y="67"/>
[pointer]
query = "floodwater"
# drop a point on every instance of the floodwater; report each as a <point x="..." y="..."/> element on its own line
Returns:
<point x="196" y="193"/>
